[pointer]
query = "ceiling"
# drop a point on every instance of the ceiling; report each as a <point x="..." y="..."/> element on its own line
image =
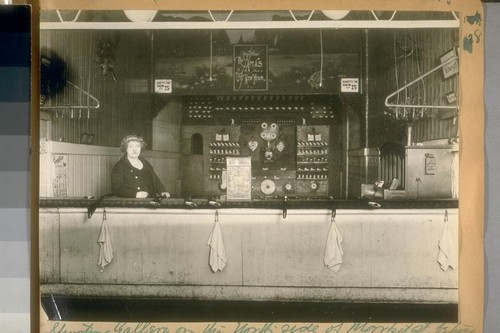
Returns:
<point x="283" y="19"/>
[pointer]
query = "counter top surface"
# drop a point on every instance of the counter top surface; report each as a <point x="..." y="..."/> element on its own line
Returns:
<point x="262" y="203"/>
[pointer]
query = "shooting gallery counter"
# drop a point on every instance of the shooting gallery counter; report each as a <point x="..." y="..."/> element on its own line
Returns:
<point x="387" y="254"/>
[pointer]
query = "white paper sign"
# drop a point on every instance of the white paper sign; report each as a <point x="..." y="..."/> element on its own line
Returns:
<point x="349" y="85"/>
<point x="163" y="86"/>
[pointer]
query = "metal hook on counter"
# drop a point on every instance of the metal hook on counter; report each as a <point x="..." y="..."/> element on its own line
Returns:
<point x="156" y="202"/>
<point x="92" y="208"/>
<point x="334" y="209"/>
<point x="188" y="202"/>
<point x="285" y="206"/>
<point x="214" y="203"/>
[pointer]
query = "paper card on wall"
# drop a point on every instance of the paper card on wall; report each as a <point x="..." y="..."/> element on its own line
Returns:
<point x="60" y="181"/>
<point x="163" y="86"/>
<point x="239" y="178"/>
<point x="225" y="137"/>
<point x="450" y="67"/>
<point x="218" y="137"/>
<point x="349" y="85"/>
<point x="317" y="137"/>
<point x="430" y="165"/>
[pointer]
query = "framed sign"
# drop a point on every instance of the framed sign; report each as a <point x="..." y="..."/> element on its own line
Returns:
<point x="239" y="178"/>
<point x="430" y="164"/>
<point x="349" y="85"/>
<point x="163" y="86"/>
<point x="450" y="66"/>
<point x="250" y="68"/>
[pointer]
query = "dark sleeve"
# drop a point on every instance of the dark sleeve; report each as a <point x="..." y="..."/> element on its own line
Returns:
<point x="158" y="184"/>
<point x="118" y="186"/>
<point x="159" y="187"/>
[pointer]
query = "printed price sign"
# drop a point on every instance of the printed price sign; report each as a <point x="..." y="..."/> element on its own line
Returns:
<point x="163" y="86"/>
<point x="349" y="85"/>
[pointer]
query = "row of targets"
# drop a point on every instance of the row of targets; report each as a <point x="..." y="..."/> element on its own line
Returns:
<point x="199" y="108"/>
<point x="203" y="108"/>
<point x="312" y="154"/>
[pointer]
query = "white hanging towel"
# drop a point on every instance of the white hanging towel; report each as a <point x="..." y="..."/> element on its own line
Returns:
<point x="106" y="248"/>
<point x="447" y="256"/>
<point x="333" y="250"/>
<point x="217" y="256"/>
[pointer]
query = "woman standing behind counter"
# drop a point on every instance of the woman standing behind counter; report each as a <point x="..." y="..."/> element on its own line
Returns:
<point x="132" y="175"/>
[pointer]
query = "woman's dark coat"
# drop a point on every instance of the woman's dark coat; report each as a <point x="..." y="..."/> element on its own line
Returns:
<point x="125" y="181"/>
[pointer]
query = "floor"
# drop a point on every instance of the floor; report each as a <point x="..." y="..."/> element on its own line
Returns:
<point x="168" y="310"/>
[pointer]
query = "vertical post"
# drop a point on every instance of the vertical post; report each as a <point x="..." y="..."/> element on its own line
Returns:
<point x="347" y="152"/>
<point x="367" y="101"/>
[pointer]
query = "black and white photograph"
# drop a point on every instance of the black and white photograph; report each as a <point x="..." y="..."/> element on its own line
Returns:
<point x="250" y="166"/>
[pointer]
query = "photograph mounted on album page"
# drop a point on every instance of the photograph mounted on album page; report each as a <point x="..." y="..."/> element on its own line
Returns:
<point x="261" y="168"/>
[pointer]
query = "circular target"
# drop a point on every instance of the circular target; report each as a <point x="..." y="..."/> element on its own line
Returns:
<point x="273" y="125"/>
<point x="263" y="125"/>
<point x="267" y="186"/>
<point x="287" y="187"/>
<point x="273" y="136"/>
<point x="314" y="186"/>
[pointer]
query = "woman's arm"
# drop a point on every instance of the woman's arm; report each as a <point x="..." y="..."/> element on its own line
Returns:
<point x="159" y="187"/>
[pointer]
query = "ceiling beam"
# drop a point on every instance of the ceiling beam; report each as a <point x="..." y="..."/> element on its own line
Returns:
<point x="354" y="24"/>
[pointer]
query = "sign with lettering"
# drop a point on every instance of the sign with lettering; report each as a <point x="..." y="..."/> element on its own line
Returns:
<point x="450" y="67"/>
<point x="250" y="68"/>
<point x="163" y="86"/>
<point x="239" y="178"/>
<point x="349" y="85"/>
<point x="60" y="181"/>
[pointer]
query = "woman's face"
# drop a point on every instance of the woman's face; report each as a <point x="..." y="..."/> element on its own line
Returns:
<point x="133" y="149"/>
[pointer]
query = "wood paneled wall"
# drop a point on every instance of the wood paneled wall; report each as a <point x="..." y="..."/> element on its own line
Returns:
<point x="125" y="104"/>
<point x="362" y="169"/>
<point x="397" y="58"/>
<point x="88" y="168"/>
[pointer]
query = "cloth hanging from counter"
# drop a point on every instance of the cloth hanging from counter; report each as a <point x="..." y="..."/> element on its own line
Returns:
<point x="447" y="256"/>
<point x="333" y="250"/>
<point x="217" y="256"/>
<point x="104" y="241"/>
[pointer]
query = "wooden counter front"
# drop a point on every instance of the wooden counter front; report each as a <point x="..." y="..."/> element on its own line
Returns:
<point x="390" y="255"/>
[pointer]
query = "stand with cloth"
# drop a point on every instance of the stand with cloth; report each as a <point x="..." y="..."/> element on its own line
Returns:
<point x="217" y="256"/>
<point x="104" y="241"/>
<point x="333" y="250"/>
<point x="447" y="256"/>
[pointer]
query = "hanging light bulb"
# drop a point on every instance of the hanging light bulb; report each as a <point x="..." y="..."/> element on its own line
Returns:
<point x="140" y="15"/>
<point x="335" y="14"/>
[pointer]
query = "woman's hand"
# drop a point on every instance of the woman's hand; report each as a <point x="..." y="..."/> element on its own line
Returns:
<point x="165" y="194"/>
<point x="141" y="194"/>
